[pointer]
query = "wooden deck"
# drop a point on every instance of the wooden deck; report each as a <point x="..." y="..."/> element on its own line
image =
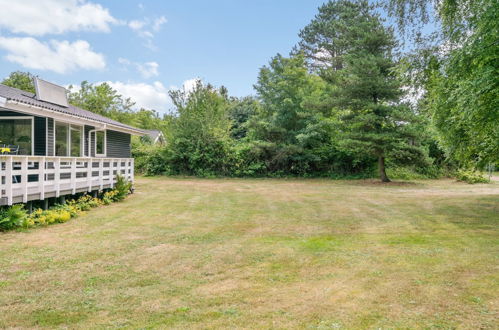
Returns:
<point x="27" y="178"/>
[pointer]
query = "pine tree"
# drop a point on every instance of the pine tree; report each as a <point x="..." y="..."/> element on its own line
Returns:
<point x="348" y="44"/>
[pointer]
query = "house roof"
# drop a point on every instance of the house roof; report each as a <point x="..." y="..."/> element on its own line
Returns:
<point x="154" y="134"/>
<point x="17" y="95"/>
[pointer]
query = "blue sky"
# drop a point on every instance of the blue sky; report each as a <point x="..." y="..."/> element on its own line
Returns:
<point x="145" y="48"/>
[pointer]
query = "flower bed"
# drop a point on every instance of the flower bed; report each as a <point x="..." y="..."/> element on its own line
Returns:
<point x="17" y="216"/>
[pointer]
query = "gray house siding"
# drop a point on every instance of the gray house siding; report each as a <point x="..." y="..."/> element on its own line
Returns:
<point x="118" y="144"/>
<point x="40" y="140"/>
<point x="8" y="113"/>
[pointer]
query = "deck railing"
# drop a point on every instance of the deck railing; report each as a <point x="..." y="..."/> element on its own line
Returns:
<point x="25" y="178"/>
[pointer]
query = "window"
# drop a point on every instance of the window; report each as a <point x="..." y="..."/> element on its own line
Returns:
<point x="18" y="132"/>
<point x="68" y="140"/>
<point x="100" y="143"/>
<point x="75" y="141"/>
<point x="61" y="139"/>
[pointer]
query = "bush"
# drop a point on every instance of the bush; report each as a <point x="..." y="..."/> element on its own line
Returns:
<point x="108" y="197"/>
<point x="122" y="188"/>
<point x="12" y="217"/>
<point x="150" y="160"/>
<point x="470" y="176"/>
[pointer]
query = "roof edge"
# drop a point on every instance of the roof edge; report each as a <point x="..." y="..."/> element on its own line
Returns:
<point x="44" y="111"/>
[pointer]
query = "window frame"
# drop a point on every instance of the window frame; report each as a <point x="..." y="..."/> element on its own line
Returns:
<point x="71" y="127"/>
<point x="32" y="119"/>
<point x="104" y="147"/>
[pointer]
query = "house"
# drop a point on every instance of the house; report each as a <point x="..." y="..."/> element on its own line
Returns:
<point x="155" y="137"/>
<point x="50" y="149"/>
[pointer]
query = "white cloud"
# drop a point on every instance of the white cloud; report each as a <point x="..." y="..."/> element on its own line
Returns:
<point x="147" y="70"/>
<point x="124" y="61"/>
<point x="149" y="96"/>
<point x="146" y="28"/>
<point x="156" y="26"/>
<point x="57" y="56"/>
<point x="40" y="17"/>
<point x="136" y="25"/>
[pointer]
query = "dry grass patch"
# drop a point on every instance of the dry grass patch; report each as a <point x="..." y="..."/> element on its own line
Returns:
<point x="189" y="253"/>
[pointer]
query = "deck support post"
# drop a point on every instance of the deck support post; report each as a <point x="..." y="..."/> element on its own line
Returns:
<point x="29" y="206"/>
<point x="46" y="204"/>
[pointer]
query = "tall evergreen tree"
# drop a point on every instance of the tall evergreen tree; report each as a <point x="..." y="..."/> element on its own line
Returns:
<point x="348" y="44"/>
<point x="294" y="118"/>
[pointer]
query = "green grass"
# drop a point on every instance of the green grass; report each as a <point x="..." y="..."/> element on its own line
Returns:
<point x="314" y="254"/>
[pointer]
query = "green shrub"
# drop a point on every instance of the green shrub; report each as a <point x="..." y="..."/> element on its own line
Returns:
<point x="108" y="197"/>
<point x="122" y="188"/>
<point x="12" y="217"/>
<point x="150" y="160"/>
<point x="470" y="176"/>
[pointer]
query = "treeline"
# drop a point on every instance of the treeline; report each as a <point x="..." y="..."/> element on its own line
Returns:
<point x="333" y="107"/>
<point x="340" y="105"/>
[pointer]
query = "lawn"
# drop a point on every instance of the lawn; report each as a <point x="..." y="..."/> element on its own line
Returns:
<point x="193" y="253"/>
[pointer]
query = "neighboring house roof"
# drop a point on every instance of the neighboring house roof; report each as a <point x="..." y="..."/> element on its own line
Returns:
<point x="155" y="135"/>
<point x="17" y="95"/>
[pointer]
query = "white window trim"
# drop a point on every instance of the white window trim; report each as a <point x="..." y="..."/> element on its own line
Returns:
<point x="32" y="129"/>
<point x="105" y="143"/>
<point x="82" y="138"/>
<point x="68" y="142"/>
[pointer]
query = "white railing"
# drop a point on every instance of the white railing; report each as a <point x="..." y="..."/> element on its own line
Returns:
<point x="25" y="178"/>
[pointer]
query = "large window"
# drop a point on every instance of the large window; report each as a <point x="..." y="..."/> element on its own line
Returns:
<point x="100" y="143"/>
<point x="68" y="140"/>
<point x="17" y="132"/>
<point x="75" y="141"/>
<point x="61" y="139"/>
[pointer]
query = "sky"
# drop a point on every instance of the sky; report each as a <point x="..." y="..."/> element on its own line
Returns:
<point x="145" y="48"/>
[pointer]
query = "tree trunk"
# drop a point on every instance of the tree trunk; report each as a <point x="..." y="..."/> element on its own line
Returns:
<point x="382" y="171"/>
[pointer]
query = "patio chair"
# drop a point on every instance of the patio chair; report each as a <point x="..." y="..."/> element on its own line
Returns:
<point x="3" y="149"/>
<point x="14" y="150"/>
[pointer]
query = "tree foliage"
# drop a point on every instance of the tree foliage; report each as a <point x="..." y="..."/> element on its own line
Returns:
<point x="20" y="80"/>
<point x="458" y="76"/>
<point x="359" y="62"/>
<point x="337" y="105"/>
<point x="199" y="134"/>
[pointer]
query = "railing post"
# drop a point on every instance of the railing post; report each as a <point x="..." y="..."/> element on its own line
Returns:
<point x="111" y="172"/>
<point x="73" y="175"/>
<point x="24" y="178"/>
<point x="57" y="176"/>
<point x="89" y="174"/>
<point x="101" y="172"/>
<point x="118" y="168"/>
<point x="8" y="179"/>
<point x="132" y="170"/>
<point x="41" y="177"/>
